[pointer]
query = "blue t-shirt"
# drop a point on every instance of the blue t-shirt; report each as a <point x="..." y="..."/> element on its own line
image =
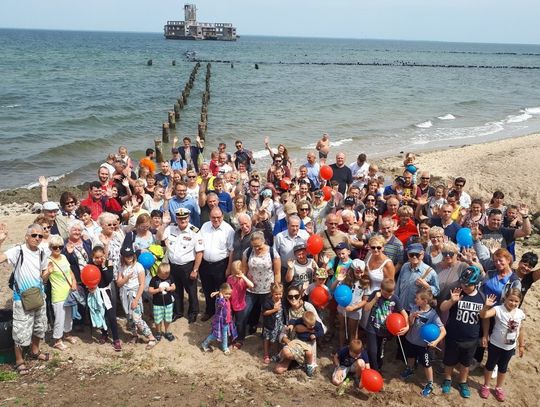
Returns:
<point x="225" y="202"/>
<point x="493" y="285"/>
<point x="346" y="360"/>
<point x="341" y="269"/>
<point x="427" y="317"/>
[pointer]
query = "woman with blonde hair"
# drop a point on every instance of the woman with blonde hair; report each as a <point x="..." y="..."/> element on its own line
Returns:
<point x="378" y="265"/>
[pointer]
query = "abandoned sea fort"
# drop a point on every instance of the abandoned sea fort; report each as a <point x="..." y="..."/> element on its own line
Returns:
<point x="191" y="29"/>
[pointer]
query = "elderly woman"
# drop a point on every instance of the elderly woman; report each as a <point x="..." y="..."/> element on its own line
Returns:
<point x="433" y="255"/>
<point x="45" y="223"/>
<point x="378" y="265"/>
<point x="499" y="275"/>
<point x="62" y="282"/>
<point x="77" y="250"/>
<point x="262" y="265"/>
<point x="406" y="227"/>
<point x="449" y="269"/>
<point x="91" y="227"/>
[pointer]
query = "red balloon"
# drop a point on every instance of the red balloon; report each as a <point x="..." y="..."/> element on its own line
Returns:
<point x="90" y="276"/>
<point x="327" y="193"/>
<point x="319" y="297"/>
<point x="284" y="184"/>
<point x="395" y="322"/>
<point x="314" y="244"/>
<point x="372" y="380"/>
<point x="326" y="172"/>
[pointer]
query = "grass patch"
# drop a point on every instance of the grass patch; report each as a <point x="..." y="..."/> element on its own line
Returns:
<point x="8" y="376"/>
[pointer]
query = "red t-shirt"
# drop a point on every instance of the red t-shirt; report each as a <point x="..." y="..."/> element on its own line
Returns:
<point x="238" y="296"/>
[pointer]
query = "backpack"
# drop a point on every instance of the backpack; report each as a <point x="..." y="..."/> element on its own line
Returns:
<point x="12" y="283"/>
<point x="159" y="253"/>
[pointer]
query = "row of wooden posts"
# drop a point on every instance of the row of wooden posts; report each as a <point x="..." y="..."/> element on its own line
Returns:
<point x="173" y="116"/>
<point x="203" y="124"/>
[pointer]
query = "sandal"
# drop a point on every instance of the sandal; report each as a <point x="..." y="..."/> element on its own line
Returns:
<point x="150" y="344"/>
<point x="60" y="346"/>
<point x="21" y="369"/>
<point x="71" y="339"/>
<point x="237" y="345"/>
<point x="42" y="357"/>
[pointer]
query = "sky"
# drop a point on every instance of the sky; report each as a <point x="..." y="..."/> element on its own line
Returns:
<point x="496" y="21"/>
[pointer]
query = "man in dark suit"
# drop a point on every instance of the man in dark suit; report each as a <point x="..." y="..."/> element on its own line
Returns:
<point x="190" y="153"/>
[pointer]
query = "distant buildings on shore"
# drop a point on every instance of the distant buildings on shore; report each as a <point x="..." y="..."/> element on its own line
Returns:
<point x="191" y="29"/>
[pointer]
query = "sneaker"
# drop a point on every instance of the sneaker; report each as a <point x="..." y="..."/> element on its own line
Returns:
<point x="484" y="392"/>
<point x="205" y="348"/>
<point x="169" y="336"/>
<point x="226" y="351"/>
<point x="158" y="336"/>
<point x="446" y="386"/>
<point x="408" y="372"/>
<point x="117" y="345"/>
<point x="499" y="394"/>
<point x="428" y="389"/>
<point x="464" y="390"/>
<point x="310" y="370"/>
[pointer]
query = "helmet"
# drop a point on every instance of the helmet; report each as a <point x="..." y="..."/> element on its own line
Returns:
<point x="470" y="276"/>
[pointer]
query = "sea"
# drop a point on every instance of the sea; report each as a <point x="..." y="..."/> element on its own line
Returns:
<point x="69" y="98"/>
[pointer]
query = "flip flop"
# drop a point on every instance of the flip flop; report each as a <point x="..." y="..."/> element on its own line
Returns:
<point x="150" y="344"/>
<point x="21" y="369"/>
<point x="41" y="356"/>
<point x="71" y="339"/>
<point x="60" y="346"/>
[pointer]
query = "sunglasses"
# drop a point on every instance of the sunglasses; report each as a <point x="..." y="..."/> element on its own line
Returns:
<point x="46" y="227"/>
<point x="376" y="247"/>
<point x="293" y="297"/>
<point x="448" y="254"/>
<point x="370" y="200"/>
<point x="70" y="203"/>
<point x="192" y="176"/>
<point x="57" y="247"/>
<point x="428" y="178"/>
<point x="304" y="209"/>
<point x="37" y="235"/>
<point x="416" y="255"/>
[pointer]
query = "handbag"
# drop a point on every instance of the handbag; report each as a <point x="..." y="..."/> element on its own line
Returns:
<point x="74" y="297"/>
<point x="32" y="299"/>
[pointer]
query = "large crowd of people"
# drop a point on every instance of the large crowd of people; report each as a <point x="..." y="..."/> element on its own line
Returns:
<point x="239" y="236"/>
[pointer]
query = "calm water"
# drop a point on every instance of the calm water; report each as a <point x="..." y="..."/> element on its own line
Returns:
<point x="69" y="98"/>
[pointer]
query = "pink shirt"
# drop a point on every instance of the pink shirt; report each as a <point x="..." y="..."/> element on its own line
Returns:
<point x="238" y="296"/>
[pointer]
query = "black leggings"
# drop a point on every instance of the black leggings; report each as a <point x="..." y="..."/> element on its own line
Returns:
<point x="375" y="349"/>
<point x="110" y="318"/>
<point x="498" y="357"/>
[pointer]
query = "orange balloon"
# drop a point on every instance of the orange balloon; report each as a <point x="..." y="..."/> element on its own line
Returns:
<point x="319" y="297"/>
<point x="372" y="380"/>
<point x="327" y="193"/>
<point x="314" y="244"/>
<point x="90" y="276"/>
<point x="395" y="322"/>
<point x="326" y="172"/>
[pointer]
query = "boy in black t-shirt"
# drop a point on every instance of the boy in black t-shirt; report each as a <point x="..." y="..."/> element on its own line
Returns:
<point x="463" y="328"/>
<point x="161" y="287"/>
<point x="350" y="359"/>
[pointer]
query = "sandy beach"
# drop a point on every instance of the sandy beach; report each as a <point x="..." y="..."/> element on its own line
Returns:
<point x="214" y="379"/>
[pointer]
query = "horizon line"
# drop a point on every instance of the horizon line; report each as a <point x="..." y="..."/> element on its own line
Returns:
<point x="275" y="36"/>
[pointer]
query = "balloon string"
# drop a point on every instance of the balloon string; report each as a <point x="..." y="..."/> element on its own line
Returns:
<point x="402" y="351"/>
<point x="346" y="330"/>
<point x="433" y="346"/>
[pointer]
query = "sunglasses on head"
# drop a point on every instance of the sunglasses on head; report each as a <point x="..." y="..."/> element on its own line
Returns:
<point x="37" y="235"/>
<point x="293" y="296"/>
<point x="416" y="255"/>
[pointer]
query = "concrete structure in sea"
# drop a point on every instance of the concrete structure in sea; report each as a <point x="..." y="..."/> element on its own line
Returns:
<point x="191" y="29"/>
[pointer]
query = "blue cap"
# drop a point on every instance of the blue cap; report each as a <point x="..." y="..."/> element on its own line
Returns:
<point x="415" y="248"/>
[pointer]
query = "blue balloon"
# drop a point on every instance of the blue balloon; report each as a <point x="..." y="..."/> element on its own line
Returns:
<point x="430" y="332"/>
<point x="411" y="168"/>
<point x="464" y="237"/>
<point x="343" y="295"/>
<point x="147" y="260"/>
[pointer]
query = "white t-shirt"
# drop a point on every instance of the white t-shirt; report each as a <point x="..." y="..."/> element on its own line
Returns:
<point x="28" y="275"/>
<point x="506" y="330"/>
<point x="133" y="272"/>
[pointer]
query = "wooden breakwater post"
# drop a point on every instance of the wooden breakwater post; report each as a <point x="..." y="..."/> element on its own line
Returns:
<point x="172" y="121"/>
<point x="165" y="132"/>
<point x="180" y="102"/>
<point x="159" y="150"/>
<point x="177" y="111"/>
<point x="202" y="130"/>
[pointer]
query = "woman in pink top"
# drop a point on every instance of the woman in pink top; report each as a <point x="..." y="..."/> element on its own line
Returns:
<point x="239" y="283"/>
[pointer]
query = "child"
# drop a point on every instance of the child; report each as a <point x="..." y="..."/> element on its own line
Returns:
<point x="381" y="303"/>
<point x="222" y="324"/>
<point x="463" y="329"/>
<point x="99" y="259"/>
<point x="214" y="167"/>
<point x="320" y="277"/>
<point x="435" y="202"/>
<point x="161" y="287"/>
<point x="131" y="280"/>
<point x="123" y="155"/>
<point x="350" y="359"/>
<point x="416" y="349"/>
<point x="272" y="319"/>
<point x="300" y="269"/>
<point x="339" y="265"/>
<point x="239" y="284"/>
<point x="507" y="334"/>
<point x="307" y="330"/>
<point x="351" y="314"/>
<point x="410" y="165"/>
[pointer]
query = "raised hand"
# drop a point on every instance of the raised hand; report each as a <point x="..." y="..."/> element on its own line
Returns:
<point x="43" y="182"/>
<point x="491" y="300"/>
<point x="266" y="140"/>
<point x="455" y="295"/>
<point x="523" y="210"/>
<point x="290" y="263"/>
<point x="3" y="232"/>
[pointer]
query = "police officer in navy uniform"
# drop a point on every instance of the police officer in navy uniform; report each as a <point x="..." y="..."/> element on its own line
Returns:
<point x="185" y="252"/>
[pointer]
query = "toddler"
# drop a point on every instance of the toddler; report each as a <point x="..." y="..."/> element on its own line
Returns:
<point x="351" y="359"/>
<point x="239" y="284"/>
<point x="161" y="288"/>
<point x="273" y="318"/>
<point x="222" y="323"/>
